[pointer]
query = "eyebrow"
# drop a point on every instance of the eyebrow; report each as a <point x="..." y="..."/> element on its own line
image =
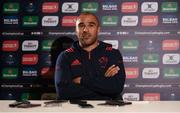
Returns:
<point x="88" y="23"/>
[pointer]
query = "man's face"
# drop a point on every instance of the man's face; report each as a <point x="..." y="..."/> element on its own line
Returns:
<point x="87" y="29"/>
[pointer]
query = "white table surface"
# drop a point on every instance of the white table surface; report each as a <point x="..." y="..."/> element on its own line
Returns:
<point x="136" y="107"/>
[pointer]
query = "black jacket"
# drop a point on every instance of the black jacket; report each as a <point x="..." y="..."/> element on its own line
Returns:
<point x="91" y="66"/>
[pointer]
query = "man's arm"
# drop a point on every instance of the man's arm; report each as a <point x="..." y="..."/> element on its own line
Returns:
<point x="65" y="88"/>
<point x="110" y="85"/>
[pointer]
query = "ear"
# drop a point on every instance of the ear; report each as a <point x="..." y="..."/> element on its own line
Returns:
<point x="99" y="29"/>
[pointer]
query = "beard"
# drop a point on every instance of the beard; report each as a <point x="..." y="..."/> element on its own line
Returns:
<point x="87" y="40"/>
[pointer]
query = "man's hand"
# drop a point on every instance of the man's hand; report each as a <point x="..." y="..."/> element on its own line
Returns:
<point x="111" y="71"/>
<point x="77" y="80"/>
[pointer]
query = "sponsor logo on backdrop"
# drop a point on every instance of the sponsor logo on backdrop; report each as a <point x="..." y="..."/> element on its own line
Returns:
<point x="11" y="7"/>
<point x="10" y="59"/>
<point x="109" y="6"/>
<point x="47" y="73"/>
<point x="169" y="7"/>
<point x="30" y="45"/>
<point x="109" y="20"/>
<point x="169" y="19"/>
<point x="132" y="73"/>
<point x="9" y="73"/>
<point x="151" y="96"/>
<point x="11" y="20"/>
<point x="171" y="58"/>
<point x="37" y="33"/>
<point x="70" y="7"/>
<point x="130" y="58"/>
<point x="46" y="59"/>
<point x="150" y="46"/>
<point x="50" y="21"/>
<point x="12" y="33"/>
<point x="151" y="73"/>
<point x="10" y="45"/>
<point x="131" y="96"/>
<point x="130" y="45"/>
<point x="30" y="21"/>
<point x="114" y="43"/>
<point x="129" y="21"/>
<point x="129" y="7"/>
<point x="170" y="45"/>
<point x="50" y="7"/>
<point x="150" y="58"/>
<point x="89" y="7"/>
<point x="29" y="72"/>
<point x="29" y="59"/>
<point x="69" y="21"/>
<point x="30" y="7"/>
<point x="171" y="72"/>
<point x="149" y="21"/>
<point x="149" y="7"/>
<point x="46" y="45"/>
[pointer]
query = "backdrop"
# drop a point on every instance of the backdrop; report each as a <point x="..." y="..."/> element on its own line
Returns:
<point x="34" y="32"/>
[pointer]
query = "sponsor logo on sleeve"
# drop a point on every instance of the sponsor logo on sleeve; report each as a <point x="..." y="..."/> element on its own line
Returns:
<point x="151" y="73"/>
<point x="151" y="97"/>
<point x="129" y="21"/>
<point x="89" y="7"/>
<point x="114" y="43"/>
<point x="171" y="58"/>
<point x="30" y="45"/>
<point x="50" y="21"/>
<point x="50" y="7"/>
<point x="70" y="7"/>
<point x="10" y="45"/>
<point x="11" y="7"/>
<point x="131" y="96"/>
<point x="149" y="7"/>
<point x="29" y="59"/>
<point x="170" y="45"/>
<point x="132" y="73"/>
<point x="129" y="7"/>
<point x="149" y="21"/>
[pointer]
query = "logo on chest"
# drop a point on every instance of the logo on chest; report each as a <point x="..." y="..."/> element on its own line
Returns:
<point x="103" y="61"/>
<point x="75" y="62"/>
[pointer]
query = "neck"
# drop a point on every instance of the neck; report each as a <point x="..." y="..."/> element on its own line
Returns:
<point x="90" y="47"/>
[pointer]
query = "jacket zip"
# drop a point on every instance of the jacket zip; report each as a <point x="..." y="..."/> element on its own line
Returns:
<point x="89" y="55"/>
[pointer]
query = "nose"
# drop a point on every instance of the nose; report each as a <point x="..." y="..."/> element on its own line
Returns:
<point x="86" y="29"/>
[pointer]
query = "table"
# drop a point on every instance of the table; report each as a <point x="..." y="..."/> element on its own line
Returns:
<point x="135" y="107"/>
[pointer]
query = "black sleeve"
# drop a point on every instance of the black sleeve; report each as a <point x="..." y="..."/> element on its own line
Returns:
<point x="108" y="85"/>
<point x="65" y="88"/>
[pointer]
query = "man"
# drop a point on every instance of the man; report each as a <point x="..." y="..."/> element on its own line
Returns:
<point x="90" y="69"/>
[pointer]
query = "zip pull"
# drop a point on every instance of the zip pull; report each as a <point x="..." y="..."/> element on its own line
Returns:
<point x="89" y="55"/>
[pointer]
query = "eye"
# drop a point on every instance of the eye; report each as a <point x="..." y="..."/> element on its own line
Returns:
<point x="81" y="25"/>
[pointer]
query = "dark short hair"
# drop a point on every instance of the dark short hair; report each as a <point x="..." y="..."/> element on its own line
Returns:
<point x="88" y="13"/>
